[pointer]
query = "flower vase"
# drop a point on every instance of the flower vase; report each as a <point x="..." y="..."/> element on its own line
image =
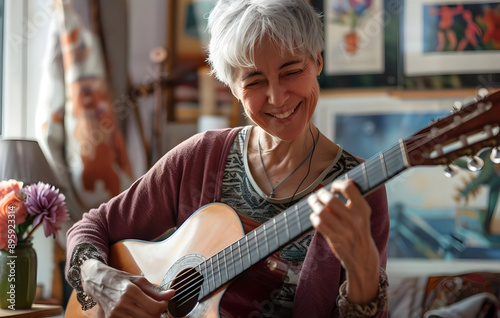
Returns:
<point x="18" y="276"/>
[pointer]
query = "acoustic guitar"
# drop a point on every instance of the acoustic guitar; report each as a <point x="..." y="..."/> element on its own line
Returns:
<point x="213" y="258"/>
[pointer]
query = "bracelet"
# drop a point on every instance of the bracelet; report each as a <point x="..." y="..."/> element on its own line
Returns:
<point x="81" y="253"/>
<point x="350" y="310"/>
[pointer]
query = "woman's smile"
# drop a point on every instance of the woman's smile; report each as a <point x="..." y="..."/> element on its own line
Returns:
<point x="286" y="114"/>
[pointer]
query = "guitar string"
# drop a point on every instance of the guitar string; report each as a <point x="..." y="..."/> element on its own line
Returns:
<point x="393" y="153"/>
<point x="187" y="286"/>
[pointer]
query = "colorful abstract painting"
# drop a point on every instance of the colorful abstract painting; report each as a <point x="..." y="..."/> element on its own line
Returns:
<point x="461" y="27"/>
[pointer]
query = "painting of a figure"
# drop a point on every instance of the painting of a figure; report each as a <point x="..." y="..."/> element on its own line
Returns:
<point x="461" y="27"/>
<point x="451" y="37"/>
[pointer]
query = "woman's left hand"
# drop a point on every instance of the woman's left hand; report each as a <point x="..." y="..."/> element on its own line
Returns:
<point x="346" y="228"/>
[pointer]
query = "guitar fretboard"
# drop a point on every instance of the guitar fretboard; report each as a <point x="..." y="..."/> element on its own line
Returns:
<point x="291" y="223"/>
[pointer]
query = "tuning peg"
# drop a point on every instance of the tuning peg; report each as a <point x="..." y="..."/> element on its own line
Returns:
<point x="482" y="92"/>
<point x="495" y="155"/>
<point x="450" y="171"/>
<point x="457" y="106"/>
<point x="475" y="163"/>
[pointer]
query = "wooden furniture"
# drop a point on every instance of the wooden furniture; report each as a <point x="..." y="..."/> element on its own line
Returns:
<point x="36" y="311"/>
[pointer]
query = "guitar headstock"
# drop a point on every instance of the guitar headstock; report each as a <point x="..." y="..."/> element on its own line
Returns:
<point x="464" y="133"/>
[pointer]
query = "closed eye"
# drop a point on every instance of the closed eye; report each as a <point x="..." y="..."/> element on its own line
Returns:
<point x="296" y="72"/>
<point x="252" y="84"/>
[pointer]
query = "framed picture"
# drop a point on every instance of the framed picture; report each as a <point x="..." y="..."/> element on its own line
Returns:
<point x="361" y="43"/>
<point x="451" y="37"/>
<point x="366" y="125"/>
<point x="422" y="200"/>
<point x="191" y="22"/>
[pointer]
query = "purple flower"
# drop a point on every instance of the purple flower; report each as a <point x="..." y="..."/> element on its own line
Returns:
<point x="47" y="205"/>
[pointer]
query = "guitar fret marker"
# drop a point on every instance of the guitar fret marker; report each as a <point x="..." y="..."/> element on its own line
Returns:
<point x="218" y="266"/>
<point x="248" y="248"/>
<point x="213" y="275"/>
<point x="265" y="237"/>
<point x="241" y="256"/>
<point x="276" y="230"/>
<point x="257" y="244"/>
<point x="232" y="258"/>
<point x="225" y="264"/>
<point x="298" y="218"/>
<point x="365" y="176"/>
<point x="405" y="155"/>
<point x="286" y="225"/>
<point x="207" y="278"/>
<point x="384" y="169"/>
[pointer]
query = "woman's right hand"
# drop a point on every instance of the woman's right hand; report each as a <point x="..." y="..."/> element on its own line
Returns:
<point x="120" y="294"/>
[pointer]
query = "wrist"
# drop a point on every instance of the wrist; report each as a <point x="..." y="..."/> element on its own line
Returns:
<point x="348" y="308"/>
<point x="362" y="281"/>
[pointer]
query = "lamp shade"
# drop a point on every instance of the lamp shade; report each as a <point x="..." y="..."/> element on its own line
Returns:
<point x="23" y="160"/>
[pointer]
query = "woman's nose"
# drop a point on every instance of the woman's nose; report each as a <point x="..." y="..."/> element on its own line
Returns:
<point x="277" y="94"/>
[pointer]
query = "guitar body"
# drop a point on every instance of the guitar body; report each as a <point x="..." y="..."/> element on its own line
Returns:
<point x="209" y="230"/>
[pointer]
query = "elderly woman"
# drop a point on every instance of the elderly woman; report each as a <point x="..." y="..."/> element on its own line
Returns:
<point x="269" y="53"/>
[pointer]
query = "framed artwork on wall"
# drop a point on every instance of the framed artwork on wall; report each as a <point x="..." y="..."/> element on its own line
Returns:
<point x="190" y="31"/>
<point x="451" y="37"/>
<point x="425" y="206"/>
<point x="355" y="38"/>
<point x="451" y="43"/>
<point x="361" y="42"/>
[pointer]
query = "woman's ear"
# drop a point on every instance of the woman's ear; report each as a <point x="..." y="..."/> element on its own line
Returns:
<point x="320" y="63"/>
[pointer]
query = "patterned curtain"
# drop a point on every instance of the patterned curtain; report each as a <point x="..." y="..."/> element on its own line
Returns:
<point x="79" y="126"/>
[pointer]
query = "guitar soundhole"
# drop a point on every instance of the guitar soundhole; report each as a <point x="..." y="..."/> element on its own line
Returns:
<point x="187" y="286"/>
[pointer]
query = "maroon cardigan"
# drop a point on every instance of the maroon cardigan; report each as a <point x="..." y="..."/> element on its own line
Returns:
<point x="190" y="176"/>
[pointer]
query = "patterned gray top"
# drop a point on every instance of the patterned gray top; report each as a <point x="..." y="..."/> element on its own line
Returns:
<point x="241" y="192"/>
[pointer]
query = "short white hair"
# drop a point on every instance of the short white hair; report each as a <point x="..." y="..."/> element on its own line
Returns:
<point x="237" y="26"/>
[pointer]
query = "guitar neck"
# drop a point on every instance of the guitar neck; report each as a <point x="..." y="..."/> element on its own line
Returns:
<point x="377" y="170"/>
<point x="288" y="225"/>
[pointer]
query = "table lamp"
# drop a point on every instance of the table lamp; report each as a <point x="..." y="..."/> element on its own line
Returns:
<point x="23" y="160"/>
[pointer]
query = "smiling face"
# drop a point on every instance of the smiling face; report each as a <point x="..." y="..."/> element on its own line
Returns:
<point x="280" y="93"/>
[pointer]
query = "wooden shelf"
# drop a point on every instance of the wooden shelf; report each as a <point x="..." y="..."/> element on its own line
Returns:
<point x="400" y="93"/>
<point x="36" y="311"/>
